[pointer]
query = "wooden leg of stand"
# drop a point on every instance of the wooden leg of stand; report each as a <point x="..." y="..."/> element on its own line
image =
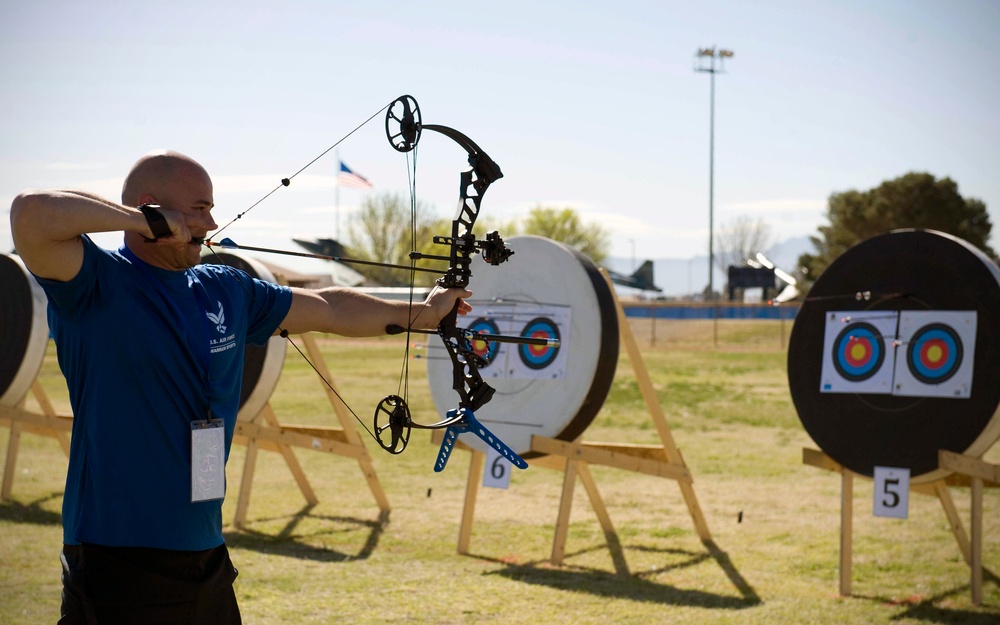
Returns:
<point x="652" y="400"/>
<point x="10" y="468"/>
<point x="565" y="506"/>
<point x="846" y="530"/>
<point x="291" y="460"/>
<point x="976" y="528"/>
<point x="614" y="545"/>
<point x="471" y="491"/>
<point x="246" y="484"/>
<point x="347" y="422"/>
<point x="955" y="521"/>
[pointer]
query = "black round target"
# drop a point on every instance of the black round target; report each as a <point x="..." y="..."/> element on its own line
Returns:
<point x="901" y="272"/>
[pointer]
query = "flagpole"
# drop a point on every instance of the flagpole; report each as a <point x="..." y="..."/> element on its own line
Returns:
<point x="336" y="218"/>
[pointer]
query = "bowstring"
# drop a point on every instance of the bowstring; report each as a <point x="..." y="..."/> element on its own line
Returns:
<point x="285" y="335"/>
<point x="411" y="180"/>
<point x="282" y="332"/>
<point x="287" y="181"/>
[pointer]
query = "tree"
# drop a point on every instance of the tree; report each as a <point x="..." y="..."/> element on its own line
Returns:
<point x="380" y="232"/>
<point x="564" y="225"/>
<point x="914" y="200"/>
<point x="741" y="239"/>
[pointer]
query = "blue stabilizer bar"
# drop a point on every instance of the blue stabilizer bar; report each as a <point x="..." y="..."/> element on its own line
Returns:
<point x="468" y="423"/>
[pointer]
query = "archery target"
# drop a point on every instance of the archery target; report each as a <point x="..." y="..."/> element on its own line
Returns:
<point x="934" y="354"/>
<point x="547" y="290"/>
<point x="940" y="354"/>
<point x="858" y="349"/>
<point x="24" y="330"/>
<point x="484" y="349"/>
<point x="935" y="302"/>
<point x="517" y="361"/>
<point x="540" y="357"/>
<point x="261" y="363"/>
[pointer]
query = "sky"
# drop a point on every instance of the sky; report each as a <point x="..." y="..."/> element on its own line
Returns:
<point x="590" y="105"/>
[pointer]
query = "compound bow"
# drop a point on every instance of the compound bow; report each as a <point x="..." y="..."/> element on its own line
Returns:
<point x="392" y="421"/>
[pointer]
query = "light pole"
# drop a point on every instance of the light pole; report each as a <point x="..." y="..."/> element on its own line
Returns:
<point x="701" y="65"/>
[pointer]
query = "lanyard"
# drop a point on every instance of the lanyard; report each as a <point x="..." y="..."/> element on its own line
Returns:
<point x="197" y="341"/>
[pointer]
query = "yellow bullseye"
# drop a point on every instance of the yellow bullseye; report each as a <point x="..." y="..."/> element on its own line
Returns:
<point x="934" y="353"/>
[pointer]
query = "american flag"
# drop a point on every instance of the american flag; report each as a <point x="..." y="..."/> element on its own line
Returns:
<point x="350" y="179"/>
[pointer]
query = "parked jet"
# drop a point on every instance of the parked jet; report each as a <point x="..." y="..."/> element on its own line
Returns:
<point x="642" y="278"/>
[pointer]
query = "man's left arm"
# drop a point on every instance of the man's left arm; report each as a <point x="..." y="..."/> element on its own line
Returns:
<point x="348" y="312"/>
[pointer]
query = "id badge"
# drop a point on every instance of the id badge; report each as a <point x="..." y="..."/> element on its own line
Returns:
<point x="208" y="460"/>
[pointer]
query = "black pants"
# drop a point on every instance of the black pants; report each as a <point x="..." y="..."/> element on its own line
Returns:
<point x="128" y="585"/>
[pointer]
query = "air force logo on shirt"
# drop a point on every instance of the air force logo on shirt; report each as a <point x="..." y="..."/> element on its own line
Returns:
<point x="219" y="320"/>
<point x="225" y="342"/>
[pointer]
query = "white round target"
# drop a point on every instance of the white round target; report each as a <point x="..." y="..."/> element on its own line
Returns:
<point x="545" y="290"/>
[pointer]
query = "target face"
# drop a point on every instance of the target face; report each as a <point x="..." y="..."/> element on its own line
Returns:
<point x="940" y="354"/>
<point x="859" y="353"/>
<point x="485" y="349"/>
<point x="934" y="353"/>
<point x="891" y="378"/>
<point x="539" y="356"/>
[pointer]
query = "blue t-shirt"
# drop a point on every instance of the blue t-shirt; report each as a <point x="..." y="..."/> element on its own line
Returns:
<point x="132" y="342"/>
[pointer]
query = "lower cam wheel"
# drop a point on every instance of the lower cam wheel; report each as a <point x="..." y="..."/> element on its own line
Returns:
<point x="392" y="414"/>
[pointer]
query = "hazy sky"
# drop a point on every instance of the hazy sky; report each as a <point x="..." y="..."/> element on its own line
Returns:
<point x="592" y="105"/>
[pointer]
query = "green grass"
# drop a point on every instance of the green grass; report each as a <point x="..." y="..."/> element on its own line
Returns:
<point x="731" y="415"/>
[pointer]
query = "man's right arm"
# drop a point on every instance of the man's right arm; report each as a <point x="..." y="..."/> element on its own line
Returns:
<point x="47" y="224"/>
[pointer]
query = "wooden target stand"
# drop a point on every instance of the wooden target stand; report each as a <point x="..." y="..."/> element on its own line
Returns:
<point x="42" y="420"/>
<point x="574" y="458"/>
<point x="979" y="474"/>
<point x="969" y="472"/>
<point x="23" y="344"/>
<point x="259" y="428"/>
<point x="901" y="372"/>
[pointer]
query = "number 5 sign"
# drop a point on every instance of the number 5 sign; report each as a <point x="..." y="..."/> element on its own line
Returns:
<point x="892" y="492"/>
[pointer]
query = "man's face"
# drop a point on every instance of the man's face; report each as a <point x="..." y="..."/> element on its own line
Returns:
<point x="190" y="194"/>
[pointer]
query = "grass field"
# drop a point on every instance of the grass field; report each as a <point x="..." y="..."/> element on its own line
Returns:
<point x="774" y="521"/>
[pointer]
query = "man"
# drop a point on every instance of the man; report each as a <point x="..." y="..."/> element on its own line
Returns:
<point x="151" y="344"/>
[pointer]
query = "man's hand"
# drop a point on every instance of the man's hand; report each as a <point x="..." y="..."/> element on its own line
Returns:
<point x="440" y="301"/>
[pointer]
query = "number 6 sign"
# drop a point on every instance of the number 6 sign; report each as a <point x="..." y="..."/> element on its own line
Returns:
<point x="497" y="474"/>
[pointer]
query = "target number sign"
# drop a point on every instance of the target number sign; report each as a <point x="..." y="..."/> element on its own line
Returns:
<point x="906" y="353"/>
<point x="892" y="492"/>
<point x="497" y="474"/>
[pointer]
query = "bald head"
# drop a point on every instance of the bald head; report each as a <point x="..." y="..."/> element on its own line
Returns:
<point x="161" y="175"/>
